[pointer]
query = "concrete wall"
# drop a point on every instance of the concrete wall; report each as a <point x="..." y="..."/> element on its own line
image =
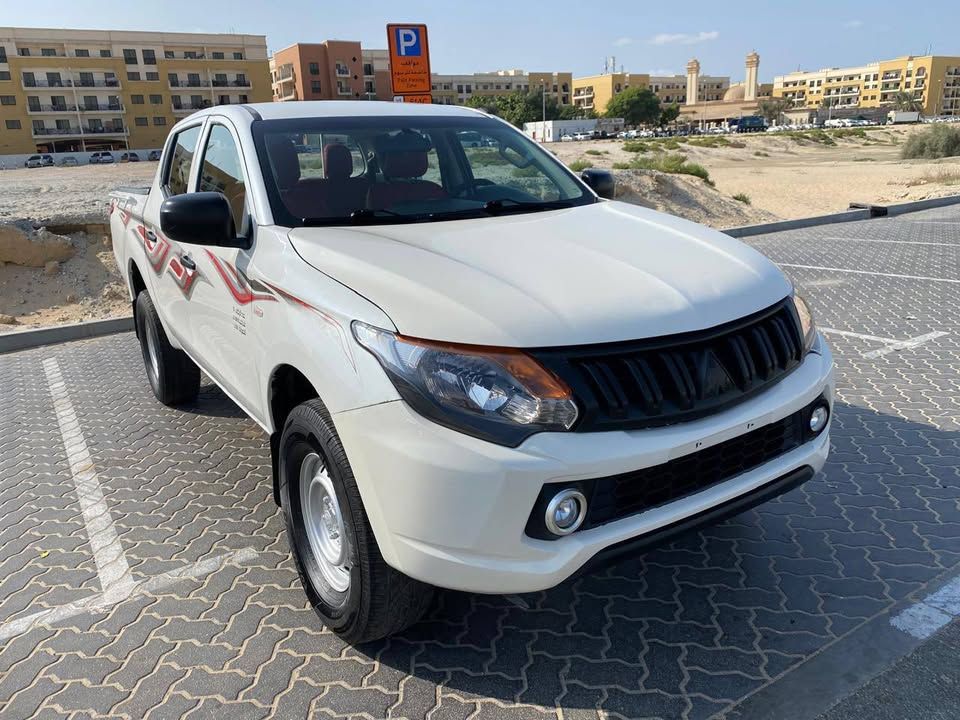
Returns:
<point x="12" y="162"/>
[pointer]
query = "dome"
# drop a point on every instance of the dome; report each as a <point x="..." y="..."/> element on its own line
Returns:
<point x="735" y="93"/>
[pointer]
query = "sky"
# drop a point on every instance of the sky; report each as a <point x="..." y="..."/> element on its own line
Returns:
<point x="556" y="35"/>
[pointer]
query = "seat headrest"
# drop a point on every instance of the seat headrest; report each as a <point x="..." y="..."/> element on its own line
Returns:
<point x="406" y="164"/>
<point x="284" y="159"/>
<point x="337" y="161"/>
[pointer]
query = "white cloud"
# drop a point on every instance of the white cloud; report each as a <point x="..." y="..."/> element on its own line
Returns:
<point x="662" y="72"/>
<point x="684" y="38"/>
<point x="852" y="24"/>
<point x="622" y="41"/>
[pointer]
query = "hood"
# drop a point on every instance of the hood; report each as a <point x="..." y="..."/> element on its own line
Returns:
<point x="588" y="274"/>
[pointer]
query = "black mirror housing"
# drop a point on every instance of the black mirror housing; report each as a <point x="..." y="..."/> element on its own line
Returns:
<point x="202" y="218"/>
<point x="601" y="182"/>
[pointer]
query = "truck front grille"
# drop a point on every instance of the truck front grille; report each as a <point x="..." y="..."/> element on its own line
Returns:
<point x="621" y="386"/>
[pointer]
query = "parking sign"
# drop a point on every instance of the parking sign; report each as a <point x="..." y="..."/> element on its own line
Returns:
<point x="409" y="59"/>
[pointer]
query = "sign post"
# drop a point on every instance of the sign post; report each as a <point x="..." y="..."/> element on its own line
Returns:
<point x="409" y="62"/>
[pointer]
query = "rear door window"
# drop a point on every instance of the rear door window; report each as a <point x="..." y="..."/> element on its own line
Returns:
<point x="181" y="160"/>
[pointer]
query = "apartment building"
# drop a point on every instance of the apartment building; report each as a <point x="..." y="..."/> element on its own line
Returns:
<point x="457" y="89"/>
<point x="76" y="90"/>
<point x="932" y="80"/>
<point x="330" y="70"/>
<point x="595" y="91"/>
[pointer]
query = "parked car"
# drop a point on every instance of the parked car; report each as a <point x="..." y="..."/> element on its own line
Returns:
<point x="566" y="137"/>
<point x="35" y="161"/>
<point x="129" y="157"/>
<point x="583" y="136"/>
<point x="476" y="380"/>
<point x="69" y="161"/>
<point x="102" y="157"/>
<point x="153" y="155"/>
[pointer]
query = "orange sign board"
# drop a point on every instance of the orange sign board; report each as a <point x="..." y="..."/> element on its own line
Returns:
<point x="409" y="60"/>
<point x="425" y="99"/>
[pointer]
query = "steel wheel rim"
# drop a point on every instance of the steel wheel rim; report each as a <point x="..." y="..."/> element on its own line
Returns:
<point x="152" y="354"/>
<point x="323" y="522"/>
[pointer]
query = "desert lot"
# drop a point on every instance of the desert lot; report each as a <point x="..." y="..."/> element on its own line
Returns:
<point x="752" y="178"/>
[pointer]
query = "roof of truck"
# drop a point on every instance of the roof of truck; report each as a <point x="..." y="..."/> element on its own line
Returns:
<point x="351" y="108"/>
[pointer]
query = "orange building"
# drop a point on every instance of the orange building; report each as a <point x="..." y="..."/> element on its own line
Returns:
<point x="331" y="70"/>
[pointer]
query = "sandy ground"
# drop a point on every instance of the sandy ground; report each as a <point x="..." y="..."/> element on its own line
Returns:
<point x="783" y="177"/>
<point x="791" y="178"/>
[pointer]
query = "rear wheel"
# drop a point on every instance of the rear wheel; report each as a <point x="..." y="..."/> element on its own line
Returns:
<point x="174" y="377"/>
<point x="350" y="586"/>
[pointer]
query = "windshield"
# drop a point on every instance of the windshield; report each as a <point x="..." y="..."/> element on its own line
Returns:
<point x="389" y="169"/>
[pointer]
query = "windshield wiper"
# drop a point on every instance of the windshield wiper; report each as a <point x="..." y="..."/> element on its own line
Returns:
<point x="500" y="205"/>
<point x="360" y="216"/>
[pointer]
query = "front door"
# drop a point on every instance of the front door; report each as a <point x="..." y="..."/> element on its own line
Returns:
<point x="224" y="302"/>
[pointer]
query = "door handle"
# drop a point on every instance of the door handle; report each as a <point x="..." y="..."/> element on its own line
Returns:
<point x="188" y="262"/>
<point x="151" y="235"/>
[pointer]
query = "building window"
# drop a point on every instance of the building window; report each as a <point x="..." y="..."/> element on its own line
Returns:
<point x="244" y="98"/>
<point x="315" y="86"/>
<point x="156" y="99"/>
<point x="153" y="76"/>
<point x="242" y="80"/>
<point x="106" y="53"/>
<point x="79" y="52"/>
<point x="314" y="68"/>
<point x="8" y="99"/>
<point x="159" y="121"/>
<point x="4" y="74"/>
<point x="23" y="52"/>
<point x="130" y="56"/>
<point x="190" y="54"/>
<point x="140" y="121"/>
<point x="217" y="55"/>
<point x="3" y="54"/>
<point x="149" y="57"/>
<point x="48" y="52"/>
<point x="136" y="99"/>
<point x="13" y="124"/>
<point x="238" y="56"/>
<point x="173" y="79"/>
<point x="133" y="76"/>
<point x="342" y="69"/>
<point x="368" y="68"/>
<point x="168" y="54"/>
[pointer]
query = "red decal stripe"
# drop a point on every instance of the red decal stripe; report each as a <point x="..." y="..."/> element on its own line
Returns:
<point x="235" y="285"/>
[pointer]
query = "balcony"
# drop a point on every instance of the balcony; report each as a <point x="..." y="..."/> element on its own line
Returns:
<point x="113" y="84"/>
<point x="102" y="107"/>
<point x="187" y="109"/>
<point x="189" y="83"/>
<point x="39" y="109"/>
<point x="232" y="83"/>
<point x="78" y="131"/>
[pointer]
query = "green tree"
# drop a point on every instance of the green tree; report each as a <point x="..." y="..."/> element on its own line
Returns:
<point x="637" y="106"/>
<point x="772" y="108"/>
<point x="483" y="102"/>
<point x="906" y="102"/>
<point x="669" y="114"/>
<point x="572" y="112"/>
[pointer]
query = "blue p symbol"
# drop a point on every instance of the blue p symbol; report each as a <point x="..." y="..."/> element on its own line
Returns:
<point x="408" y="42"/>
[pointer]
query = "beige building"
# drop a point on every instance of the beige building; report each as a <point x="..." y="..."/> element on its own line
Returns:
<point x="932" y="80"/>
<point x="457" y="89"/>
<point x="595" y="91"/>
<point x="76" y="90"/>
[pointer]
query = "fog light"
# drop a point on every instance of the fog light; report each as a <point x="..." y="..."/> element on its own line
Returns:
<point x="565" y="512"/>
<point x="818" y="418"/>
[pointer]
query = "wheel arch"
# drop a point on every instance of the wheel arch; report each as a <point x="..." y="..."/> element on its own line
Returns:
<point x="287" y="388"/>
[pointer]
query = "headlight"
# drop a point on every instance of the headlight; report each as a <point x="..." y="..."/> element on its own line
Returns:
<point x="497" y="394"/>
<point x="807" y="326"/>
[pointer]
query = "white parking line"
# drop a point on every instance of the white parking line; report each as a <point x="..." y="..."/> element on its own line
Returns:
<point x="889" y="344"/>
<point x="891" y="242"/>
<point x="869" y="272"/>
<point x="924" y="618"/>
<point x="101" y="603"/>
<point x="904" y="344"/>
<point x="112" y="568"/>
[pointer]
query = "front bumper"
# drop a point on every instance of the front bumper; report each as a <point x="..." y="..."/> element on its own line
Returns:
<point x="450" y="510"/>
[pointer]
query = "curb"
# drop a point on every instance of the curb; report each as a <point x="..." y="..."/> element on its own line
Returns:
<point x="23" y="339"/>
<point x="860" y="212"/>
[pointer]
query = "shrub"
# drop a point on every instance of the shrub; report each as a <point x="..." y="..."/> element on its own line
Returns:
<point x="850" y="132"/>
<point x="635" y="147"/>
<point x="938" y="141"/>
<point x="581" y="164"/>
<point x="593" y="152"/>
<point x="622" y="166"/>
<point x="671" y="163"/>
<point x="760" y="153"/>
<point x="529" y="171"/>
<point x="742" y="197"/>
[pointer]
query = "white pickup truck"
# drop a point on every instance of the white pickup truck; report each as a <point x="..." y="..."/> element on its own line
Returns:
<point x="476" y="372"/>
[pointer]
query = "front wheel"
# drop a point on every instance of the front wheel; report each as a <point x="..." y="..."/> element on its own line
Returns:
<point x="350" y="586"/>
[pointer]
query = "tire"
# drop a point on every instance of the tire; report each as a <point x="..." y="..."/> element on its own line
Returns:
<point x="377" y="600"/>
<point x="174" y="377"/>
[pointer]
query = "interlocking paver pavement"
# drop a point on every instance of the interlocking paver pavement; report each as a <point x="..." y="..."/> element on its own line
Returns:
<point x="685" y="631"/>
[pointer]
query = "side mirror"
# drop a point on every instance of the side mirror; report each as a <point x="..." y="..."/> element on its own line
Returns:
<point x="202" y="218"/>
<point x="601" y="182"/>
